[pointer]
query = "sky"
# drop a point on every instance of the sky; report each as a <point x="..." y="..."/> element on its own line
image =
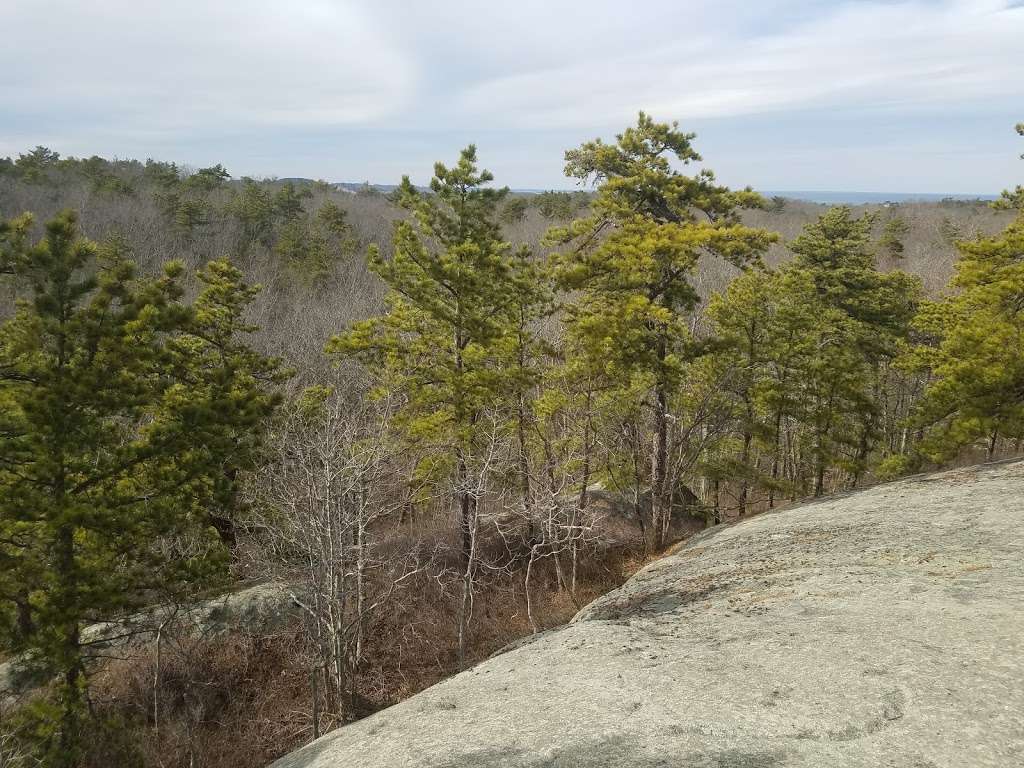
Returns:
<point x="869" y="95"/>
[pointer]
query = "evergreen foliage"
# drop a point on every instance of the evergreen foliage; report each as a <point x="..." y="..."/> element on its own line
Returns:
<point x="970" y="347"/>
<point x="632" y="259"/>
<point x="808" y="348"/>
<point x="125" y="414"/>
<point x="451" y="343"/>
<point x="892" y="236"/>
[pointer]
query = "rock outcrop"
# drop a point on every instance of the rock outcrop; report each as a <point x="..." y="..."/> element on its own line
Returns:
<point x="253" y="608"/>
<point x="883" y="628"/>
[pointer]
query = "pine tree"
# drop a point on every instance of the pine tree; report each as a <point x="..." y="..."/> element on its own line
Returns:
<point x="531" y="299"/>
<point x="288" y="201"/>
<point x="837" y="252"/>
<point x="12" y="242"/>
<point x="35" y="166"/>
<point x="870" y="312"/>
<point x="892" y="236"/>
<point x="450" y="344"/>
<point x="973" y="348"/>
<point x="253" y="208"/>
<point x="804" y="354"/>
<point x="206" y="180"/>
<point x="122" y="409"/>
<point x="796" y="334"/>
<point x="222" y="385"/>
<point x="631" y="260"/>
<point x="514" y="210"/>
<point x="742" y="319"/>
<point x="313" y="246"/>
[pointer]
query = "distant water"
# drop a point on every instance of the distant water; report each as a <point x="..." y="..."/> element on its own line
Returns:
<point x="824" y="197"/>
<point x="862" y="198"/>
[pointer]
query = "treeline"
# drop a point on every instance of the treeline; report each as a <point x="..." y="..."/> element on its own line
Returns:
<point x="474" y="452"/>
<point x="308" y="234"/>
<point x="269" y="214"/>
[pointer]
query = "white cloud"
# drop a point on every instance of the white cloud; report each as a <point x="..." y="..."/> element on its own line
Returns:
<point x="911" y="54"/>
<point x="197" y="65"/>
<point x="355" y="89"/>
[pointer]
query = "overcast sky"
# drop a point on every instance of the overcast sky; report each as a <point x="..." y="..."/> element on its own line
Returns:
<point x="883" y="95"/>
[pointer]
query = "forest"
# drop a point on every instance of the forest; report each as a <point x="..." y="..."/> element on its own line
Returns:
<point x="431" y="422"/>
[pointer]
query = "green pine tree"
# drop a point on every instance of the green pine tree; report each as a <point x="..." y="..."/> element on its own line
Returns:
<point x="253" y="208"/>
<point x="632" y="259"/>
<point x="870" y="312"/>
<point x="972" y="345"/>
<point x="122" y="408"/>
<point x="313" y="246"/>
<point x="451" y="344"/>
<point x="743" y="320"/>
<point x="893" y="233"/>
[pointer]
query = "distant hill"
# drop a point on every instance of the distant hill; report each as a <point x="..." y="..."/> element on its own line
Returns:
<point x="867" y="198"/>
<point x="353" y="186"/>
<point x="825" y="197"/>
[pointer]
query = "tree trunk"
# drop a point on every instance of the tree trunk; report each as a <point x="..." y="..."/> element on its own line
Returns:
<point x="156" y="682"/>
<point x="25" y="624"/>
<point x="745" y="461"/>
<point x="748" y="427"/>
<point x="716" y="500"/>
<point x="313" y="672"/>
<point x="660" y="504"/>
<point x="584" y="499"/>
<point x="776" y="454"/>
<point x="638" y="508"/>
<point x="575" y="552"/>
<point x="467" y="510"/>
<point x="71" y="661"/>
<point x="360" y="576"/>
<point x="863" y="449"/>
<point x="819" y="448"/>
<point x="524" y="471"/>
<point x="524" y="458"/>
<point x="527" y="586"/>
<point x="464" y="605"/>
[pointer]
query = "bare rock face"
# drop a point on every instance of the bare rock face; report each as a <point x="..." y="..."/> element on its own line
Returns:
<point x="883" y="628"/>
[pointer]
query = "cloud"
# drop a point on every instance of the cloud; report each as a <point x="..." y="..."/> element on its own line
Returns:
<point x="158" y="68"/>
<point x="910" y="55"/>
<point x="355" y="89"/>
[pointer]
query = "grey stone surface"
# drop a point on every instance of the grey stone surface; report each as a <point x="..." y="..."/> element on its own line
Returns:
<point x="883" y="628"/>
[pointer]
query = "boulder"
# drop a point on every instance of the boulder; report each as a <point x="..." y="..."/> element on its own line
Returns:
<point x="883" y="628"/>
<point x="613" y="507"/>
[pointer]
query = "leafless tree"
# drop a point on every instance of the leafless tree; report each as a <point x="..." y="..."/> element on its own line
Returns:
<point x="323" y="512"/>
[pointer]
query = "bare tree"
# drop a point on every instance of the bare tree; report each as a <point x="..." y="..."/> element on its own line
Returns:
<point x="475" y="481"/>
<point x="322" y="514"/>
